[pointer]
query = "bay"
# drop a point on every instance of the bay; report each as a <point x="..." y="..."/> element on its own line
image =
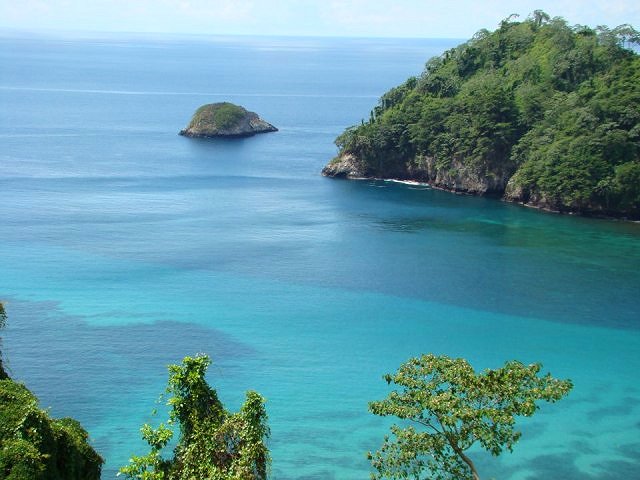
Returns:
<point x="126" y="247"/>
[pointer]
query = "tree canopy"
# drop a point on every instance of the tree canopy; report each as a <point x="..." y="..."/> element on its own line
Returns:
<point x="455" y="408"/>
<point x="538" y="111"/>
<point x="213" y="444"/>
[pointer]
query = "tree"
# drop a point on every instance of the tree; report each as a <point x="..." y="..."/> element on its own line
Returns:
<point x="504" y="23"/>
<point x="540" y="17"/>
<point x="626" y="35"/>
<point x="455" y="408"/>
<point x="214" y="444"/>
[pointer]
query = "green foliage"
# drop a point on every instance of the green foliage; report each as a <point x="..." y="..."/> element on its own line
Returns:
<point x="578" y="156"/>
<point x="554" y="108"/>
<point x="220" y="116"/>
<point x="455" y="408"/>
<point x="214" y="443"/>
<point x="36" y="447"/>
<point x="3" y="322"/>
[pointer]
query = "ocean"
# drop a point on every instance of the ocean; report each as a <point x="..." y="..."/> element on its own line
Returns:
<point x="125" y="247"/>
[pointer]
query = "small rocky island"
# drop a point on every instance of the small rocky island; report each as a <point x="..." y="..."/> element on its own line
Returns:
<point x="226" y="120"/>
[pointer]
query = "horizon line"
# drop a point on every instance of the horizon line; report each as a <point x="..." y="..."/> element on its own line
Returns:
<point x="79" y="33"/>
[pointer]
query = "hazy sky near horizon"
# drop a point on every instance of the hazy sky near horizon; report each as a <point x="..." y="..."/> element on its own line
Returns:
<point x="369" y="18"/>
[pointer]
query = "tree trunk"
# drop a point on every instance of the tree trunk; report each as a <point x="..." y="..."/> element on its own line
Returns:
<point x="465" y="459"/>
<point x="468" y="461"/>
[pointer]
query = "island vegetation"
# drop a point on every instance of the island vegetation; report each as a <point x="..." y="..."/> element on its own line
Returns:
<point x="537" y="112"/>
<point x="34" y="446"/>
<point x="225" y="119"/>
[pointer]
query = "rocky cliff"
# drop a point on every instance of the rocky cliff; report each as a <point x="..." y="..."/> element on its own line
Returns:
<point x="456" y="177"/>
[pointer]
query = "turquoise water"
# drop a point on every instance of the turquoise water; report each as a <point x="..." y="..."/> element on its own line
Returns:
<point x="126" y="247"/>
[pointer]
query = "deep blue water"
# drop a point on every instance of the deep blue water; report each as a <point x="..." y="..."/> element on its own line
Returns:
<point x="125" y="247"/>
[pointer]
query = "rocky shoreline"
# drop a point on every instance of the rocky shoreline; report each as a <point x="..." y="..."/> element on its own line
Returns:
<point x="348" y="166"/>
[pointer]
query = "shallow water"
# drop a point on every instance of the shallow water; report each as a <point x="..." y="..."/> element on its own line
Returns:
<point x="126" y="247"/>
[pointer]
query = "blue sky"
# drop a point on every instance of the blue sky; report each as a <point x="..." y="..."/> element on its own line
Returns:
<point x="370" y="18"/>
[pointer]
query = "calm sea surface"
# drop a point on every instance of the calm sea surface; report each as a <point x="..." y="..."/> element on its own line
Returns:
<point x="125" y="247"/>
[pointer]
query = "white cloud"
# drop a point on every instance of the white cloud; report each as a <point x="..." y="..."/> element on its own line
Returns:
<point x="423" y="18"/>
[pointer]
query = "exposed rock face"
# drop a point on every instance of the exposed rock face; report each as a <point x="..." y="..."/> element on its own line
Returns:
<point x="456" y="176"/>
<point x="345" y="166"/>
<point x="225" y="120"/>
<point x="514" y="192"/>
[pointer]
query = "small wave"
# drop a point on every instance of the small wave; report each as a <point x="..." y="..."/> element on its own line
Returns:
<point x="413" y="183"/>
<point x="200" y="94"/>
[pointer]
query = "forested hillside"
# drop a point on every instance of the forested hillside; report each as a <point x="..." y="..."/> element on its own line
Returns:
<point x="538" y="112"/>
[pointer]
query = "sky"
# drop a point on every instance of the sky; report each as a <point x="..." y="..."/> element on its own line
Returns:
<point x="458" y="19"/>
